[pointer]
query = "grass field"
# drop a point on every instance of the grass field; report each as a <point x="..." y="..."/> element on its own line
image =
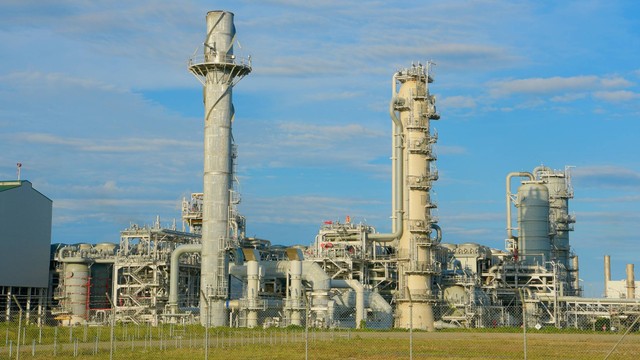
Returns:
<point x="290" y="344"/>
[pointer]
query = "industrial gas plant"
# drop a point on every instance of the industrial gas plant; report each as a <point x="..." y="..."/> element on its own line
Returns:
<point x="209" y="272"/>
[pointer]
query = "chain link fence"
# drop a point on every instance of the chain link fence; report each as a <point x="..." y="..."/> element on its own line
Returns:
<point x="495" y="333"/>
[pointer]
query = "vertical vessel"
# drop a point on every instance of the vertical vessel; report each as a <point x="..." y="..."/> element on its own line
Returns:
<point x="218" y="70"/>
<point x="416" y="268"/>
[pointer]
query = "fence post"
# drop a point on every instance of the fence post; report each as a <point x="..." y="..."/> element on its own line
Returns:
<point x="113" y="323"/>
<point x="19" y="327"/>
<point x="410" y="324"/>
<point x="524" y="323"/>
<point x="206" y="329"/>
<point x="306" y="328"/>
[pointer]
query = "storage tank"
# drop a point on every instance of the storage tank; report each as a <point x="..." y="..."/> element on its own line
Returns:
<point x="76" y="280"/>
<point x="534" y="245"/>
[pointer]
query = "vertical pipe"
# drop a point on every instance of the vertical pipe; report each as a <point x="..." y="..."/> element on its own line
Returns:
<point x="631" y="282"/>
<point x="508" y="194"/>
<point x="576" y="275"/>
<point x="607" y="274"/>
<point x="296" y="291"/>
<point x="174" y="272"/>
<point x="253" y="288"/>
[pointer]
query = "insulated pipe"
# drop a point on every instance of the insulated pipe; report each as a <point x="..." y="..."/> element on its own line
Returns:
<point x="253" y="288"/>
<point x="631" y="282"/>
<point x="607" y="274"/>
<point x="359" y="289"/>
<point x="438" y="230"/>
<point x="311" y="272"/>
<point x="378" y="304"/>
<point x="509" y="176"/>
<point x="576" y="274"/>
<point x="537" y="170"/>
<point x="296" y="291"/>
<point x="397" y="165"/>
<point x="174" y="271"/>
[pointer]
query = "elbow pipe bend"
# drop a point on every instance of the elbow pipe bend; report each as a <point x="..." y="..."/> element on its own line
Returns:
<point x="175" y="269"/>
<point x="398" y="160"/>
<point x="438" y="230"/>
<point x="508" y="195"/>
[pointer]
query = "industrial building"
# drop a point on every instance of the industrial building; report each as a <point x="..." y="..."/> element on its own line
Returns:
<point x="25" y="237"/>
<point x="620" y="289"/>
<point x="350" y="275"/>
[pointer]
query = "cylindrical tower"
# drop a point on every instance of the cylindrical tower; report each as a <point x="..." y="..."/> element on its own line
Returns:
<point x="560" y="221"/>
<point x="76" y="287"/>
<point x="534" y="244"/>
<point x="607" y="274"/>
<point x="415" y="264"/>
<point x="631" y="282"/>
<point x="218" y="71"/>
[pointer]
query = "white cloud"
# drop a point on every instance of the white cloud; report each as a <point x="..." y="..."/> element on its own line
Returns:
<point x="451" y="150"/>
<point x="106" y="145"/>
<point x="617" y="96"/>
<point x="607" y="176"/>
<point x="309" y="209"/>
<point x="568" y="97"/>
<point x="469" y="217"/>
<point x="615" y="82"/>
<point x="542" y="85"/>
<point x="458" y="102"/>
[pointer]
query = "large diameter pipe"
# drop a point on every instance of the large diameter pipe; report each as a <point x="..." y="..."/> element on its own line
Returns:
<point x="312" y="273"/>
<point x="253" y="288"/>
<point x="631" y="282"/>
<point x="174" y="271"/>
<point x="296" y="291"/>
<point x="359" y="290"/>
<point x="397" y="164"/>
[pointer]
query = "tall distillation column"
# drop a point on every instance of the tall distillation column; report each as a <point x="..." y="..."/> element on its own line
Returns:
<point x="560" y="221"/>
<point x="415" y="261"/>
<point x="218" y="71"/>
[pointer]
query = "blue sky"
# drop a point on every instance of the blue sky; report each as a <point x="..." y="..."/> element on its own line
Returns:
<point x="97" y="103"/>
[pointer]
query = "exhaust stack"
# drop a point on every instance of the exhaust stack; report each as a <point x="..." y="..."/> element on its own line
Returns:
<point x="218" y="70"/>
